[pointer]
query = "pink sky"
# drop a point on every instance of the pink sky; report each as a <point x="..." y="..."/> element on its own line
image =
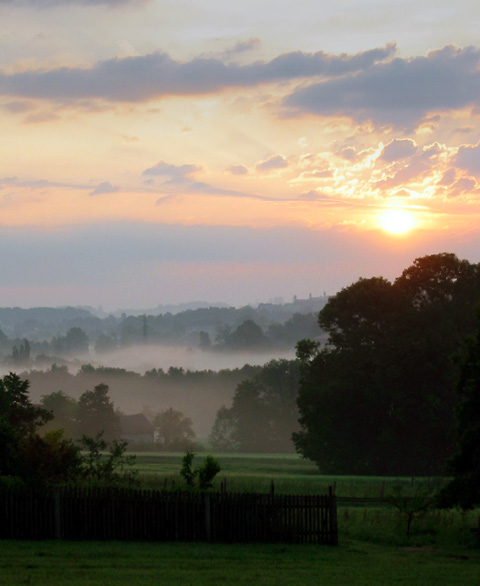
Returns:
<point x="155" y="152"/>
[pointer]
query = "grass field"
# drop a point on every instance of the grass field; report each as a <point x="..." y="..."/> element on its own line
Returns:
<point x="373" y="546"/>
<point x="142" y="564"/>
<point x="254" y="472"/>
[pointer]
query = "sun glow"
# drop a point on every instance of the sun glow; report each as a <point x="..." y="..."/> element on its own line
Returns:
<point x="397" y="221"/>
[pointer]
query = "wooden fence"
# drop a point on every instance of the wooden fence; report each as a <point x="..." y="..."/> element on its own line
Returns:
<point x="87" y="513"/>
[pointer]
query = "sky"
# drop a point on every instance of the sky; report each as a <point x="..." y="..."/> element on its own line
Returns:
<point x="158" y="152"/>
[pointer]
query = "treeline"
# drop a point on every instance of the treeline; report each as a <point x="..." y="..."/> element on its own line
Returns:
<point x="196" y="394"/>
<point x="43" y="335"/>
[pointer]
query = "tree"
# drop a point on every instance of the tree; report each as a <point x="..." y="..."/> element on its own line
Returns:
<point x="173" y="431"/>
<point x="21" y="354"/>
<point x="205" y="473"/>
<point x="9" y="450"/>
<point x="50" y="459"/>
<point x="96" y="414"/>
<point x="249" y="410"/>
<point x="106" y="463"/>
<point x="379" y="397"/>
<point x="464" y="489"/>
<point x="16" y="408"/>
<point x="263" y="414"/>
<point x="204" y="341"/>
<point x="75" y="341"/>
<point x="247" y="336"/>
<point x="106" y="343"/>
<point x="221" y="437"/>
<point x="23" y="453"/>
<point x="64" y="411"/>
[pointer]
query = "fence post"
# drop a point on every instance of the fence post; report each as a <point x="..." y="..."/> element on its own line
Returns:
<point x="333" y="517"/>
<point x="208" y="520"/>
<point x="57" y="514"/>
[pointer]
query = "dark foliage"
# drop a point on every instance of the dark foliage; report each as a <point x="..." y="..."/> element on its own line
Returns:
<point x="464" y="489"/>
<point x="380" y="397"/>
<point x="174" y="431"/>
<point x="204" y="473"/>
<point x="96" y="414"/>
<point x="263" y="414"/>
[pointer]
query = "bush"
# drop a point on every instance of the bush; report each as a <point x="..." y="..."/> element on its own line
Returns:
<point x="108" y="468"/>
<point x="205" y="473"/>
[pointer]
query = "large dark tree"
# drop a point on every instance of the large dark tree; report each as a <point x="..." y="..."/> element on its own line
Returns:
<point x="464" y="489"/>
<point x="379" y="398"/>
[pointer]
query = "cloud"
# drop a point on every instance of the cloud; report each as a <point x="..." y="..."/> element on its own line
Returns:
<point x="272" y="163"/>
<point x="173" y="173"/>
<point x="40" y="117"/>
<point x="238" y="170"/>
<point x="402" y="171"/>
<point x="105" y="187"/>
<point x="315" y="196"/>
<point x="243" y="47"/>
<point x="17" y="107"/>
<point x="142" y="78"/>
<point x="400" y="92"/>
<point x="468" y="158"/>
<point x="465" y="185"/>
<point x="348" y="153"/>
<point x="398" y="149"/>
<point x="39" y="183"/>
<point x="448" y="177"/>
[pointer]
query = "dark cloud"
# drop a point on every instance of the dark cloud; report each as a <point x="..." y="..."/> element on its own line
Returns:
<point x="272" y="163"/>
<point x="105" y="187"/>
<point x="398" y="149"/>
<point x="401" y="92"/>
<point x="135" y="79"/>
<point x="17" y="107"/>
<point x="172" y="173"/>
<point x="465" y="185"/>
<point x="348" y="153"/>
<point x="448" y="177"/>
<point x="468" y="158"/>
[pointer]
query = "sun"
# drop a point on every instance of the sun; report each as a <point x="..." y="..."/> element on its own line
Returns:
<point x="397" y="221"/>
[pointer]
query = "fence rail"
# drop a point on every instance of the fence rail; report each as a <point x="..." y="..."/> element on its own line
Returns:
<point x="87" y="513"/>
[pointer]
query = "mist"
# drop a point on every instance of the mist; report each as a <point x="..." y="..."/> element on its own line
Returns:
<point x="142" y="358"/>
<point x="150" y="378"/>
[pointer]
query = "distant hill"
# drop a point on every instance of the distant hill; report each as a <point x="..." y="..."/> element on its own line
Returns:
<point x="168" y="324"/>
<point x="17" y="322"/>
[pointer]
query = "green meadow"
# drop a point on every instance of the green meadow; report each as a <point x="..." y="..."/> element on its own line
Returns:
<point x="373" y="546"/>
<point x="290" y="474"/>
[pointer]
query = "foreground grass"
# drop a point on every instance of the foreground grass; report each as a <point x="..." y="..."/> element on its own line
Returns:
<point x="143" y="564"/>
